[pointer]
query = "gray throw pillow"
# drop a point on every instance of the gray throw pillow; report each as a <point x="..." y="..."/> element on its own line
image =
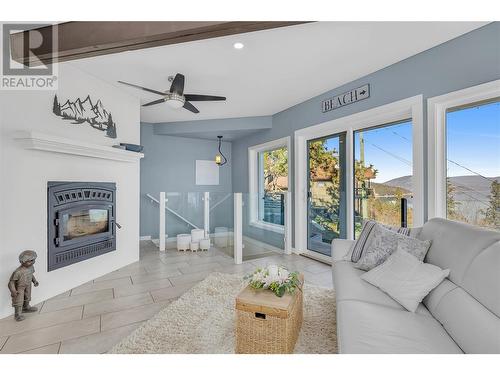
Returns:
<point x="417" y="248"/>
<point x="383" y="242"/>
<point x="364" y="237"/>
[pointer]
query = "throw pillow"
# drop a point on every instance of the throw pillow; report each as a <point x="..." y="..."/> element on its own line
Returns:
<point x="410" y="232"/>
<point x="383" y="242"/>
<point x="361" y="241"/>
<point x="417" y="248"/>
<point x="406" y="279"/>
<point x="364" y="239"/>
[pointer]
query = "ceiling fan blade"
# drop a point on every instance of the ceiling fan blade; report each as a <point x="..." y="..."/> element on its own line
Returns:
<point x="178" y="84"/>
<point x="203" y="98"/>
<point x="154" y="102"/>
<point x="190" y="107"/>
<point x="142" y="88"/>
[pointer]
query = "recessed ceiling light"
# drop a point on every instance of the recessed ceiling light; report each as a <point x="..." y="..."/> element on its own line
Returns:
<point x="238" y="45"/>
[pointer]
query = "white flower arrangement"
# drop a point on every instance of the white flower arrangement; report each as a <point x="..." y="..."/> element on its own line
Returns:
<point x="275" y="278"/>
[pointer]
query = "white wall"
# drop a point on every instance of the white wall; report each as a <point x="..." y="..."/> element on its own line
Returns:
<point x="24" y="175"/>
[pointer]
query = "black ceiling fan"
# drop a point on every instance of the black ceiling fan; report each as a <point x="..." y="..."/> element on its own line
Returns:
<point x="175" y="97"/>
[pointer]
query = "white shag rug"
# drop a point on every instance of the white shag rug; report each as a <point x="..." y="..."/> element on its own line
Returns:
<point x="202" y="321"/>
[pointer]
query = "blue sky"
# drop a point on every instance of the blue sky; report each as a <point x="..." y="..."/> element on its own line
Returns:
<point x="389" y="149"/>
<point x="473" y="139"/>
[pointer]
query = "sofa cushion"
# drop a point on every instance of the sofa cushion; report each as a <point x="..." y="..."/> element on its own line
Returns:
<point x="473" y="327"/>
<point x="349" y="286"/>
<point x="455" y="245"/>
<point x="406" y="279"/>
<point x="482" y="278"/>
<point x="371" y="328"/>
<point x="468" y="304"/>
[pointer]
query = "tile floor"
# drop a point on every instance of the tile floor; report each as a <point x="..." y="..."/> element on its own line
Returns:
<point x="92" y="317"/>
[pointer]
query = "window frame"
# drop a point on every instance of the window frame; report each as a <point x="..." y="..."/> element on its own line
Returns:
<point x="254" y="181"/>
<point x="437" y="108"/>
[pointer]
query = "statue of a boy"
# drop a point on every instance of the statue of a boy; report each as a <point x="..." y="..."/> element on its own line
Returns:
<point x="20" y="284"/>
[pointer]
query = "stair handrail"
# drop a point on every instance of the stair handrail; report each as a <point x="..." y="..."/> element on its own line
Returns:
<point x="219" y="202"/>
<point x="172" y="211"/>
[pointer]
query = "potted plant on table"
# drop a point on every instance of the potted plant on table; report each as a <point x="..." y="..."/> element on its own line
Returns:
<point x="275" y="278"/>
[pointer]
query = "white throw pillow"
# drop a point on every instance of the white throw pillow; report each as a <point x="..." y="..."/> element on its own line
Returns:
<point x="406" y="279"/>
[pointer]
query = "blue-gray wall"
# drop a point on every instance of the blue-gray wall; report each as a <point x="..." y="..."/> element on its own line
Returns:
<point x="169" y="165"/>
<point x="468" y="60"/>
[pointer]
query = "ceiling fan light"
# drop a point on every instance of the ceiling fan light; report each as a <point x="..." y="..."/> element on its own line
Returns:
<point x="175" y="101"/>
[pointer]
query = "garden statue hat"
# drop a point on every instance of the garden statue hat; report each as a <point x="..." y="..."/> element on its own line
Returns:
<point x="27" y="255"/>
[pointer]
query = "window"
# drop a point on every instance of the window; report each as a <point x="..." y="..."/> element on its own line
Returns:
<point x="269" y="182"/>
<point x="464" y="156"/>
<point x="273" y="182"/>
<point x="383" y="174"/>
<point x="473" y="164"/>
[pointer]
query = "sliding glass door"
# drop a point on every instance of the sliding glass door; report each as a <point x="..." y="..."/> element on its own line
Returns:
<point x="326" y="203"/>
<point x="368" y="165"/>
<point x="383" y="175"/>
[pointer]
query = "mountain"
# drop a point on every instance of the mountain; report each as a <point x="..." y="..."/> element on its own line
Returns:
<point x="100" y="112"/>
<point x="388" y="190"/>
<point x="404" y="182"/>
<point x="85" y="111"/>
<point x="470" y="188"/>
<point x="70" y="110"/>
<point x="467" y="188"/>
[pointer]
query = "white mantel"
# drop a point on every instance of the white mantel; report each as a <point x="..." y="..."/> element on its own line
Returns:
<point x="35" y="140"/>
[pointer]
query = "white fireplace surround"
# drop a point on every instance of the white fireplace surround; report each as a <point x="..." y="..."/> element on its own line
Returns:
<point x="36" y="147"/>
<point x="35" y="140"/>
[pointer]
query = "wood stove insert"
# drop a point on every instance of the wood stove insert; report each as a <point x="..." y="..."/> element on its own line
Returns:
<point x="81" y="221"/>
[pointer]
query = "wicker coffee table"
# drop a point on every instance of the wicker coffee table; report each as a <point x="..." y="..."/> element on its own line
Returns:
<point x="267" y="324"/>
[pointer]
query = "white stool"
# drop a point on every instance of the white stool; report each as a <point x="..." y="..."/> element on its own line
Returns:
<point x="194" y="246"/>
<point x="183" y="242"/>
<point x="220" y="237"/>
<point x="197" y="235"/>
<point x="205" y="244"/>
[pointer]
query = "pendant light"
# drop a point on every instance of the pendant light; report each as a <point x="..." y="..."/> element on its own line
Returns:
<point x="220" y="159"/>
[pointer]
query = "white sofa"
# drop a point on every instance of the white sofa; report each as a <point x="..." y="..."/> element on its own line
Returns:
<point x="461" y="315"/>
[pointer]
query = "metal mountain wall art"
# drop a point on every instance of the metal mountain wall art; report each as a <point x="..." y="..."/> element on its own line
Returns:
<point x="85" y="111"/>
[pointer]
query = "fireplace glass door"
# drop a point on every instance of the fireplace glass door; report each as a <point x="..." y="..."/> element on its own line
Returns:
<point x="81" y="224"/>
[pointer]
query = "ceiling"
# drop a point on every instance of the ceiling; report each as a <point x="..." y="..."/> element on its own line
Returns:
<point x="228" y="135"/>
<point x="275" y="70"/>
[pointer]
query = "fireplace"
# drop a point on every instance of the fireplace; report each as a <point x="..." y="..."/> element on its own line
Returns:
<point x="81" y="221"/>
